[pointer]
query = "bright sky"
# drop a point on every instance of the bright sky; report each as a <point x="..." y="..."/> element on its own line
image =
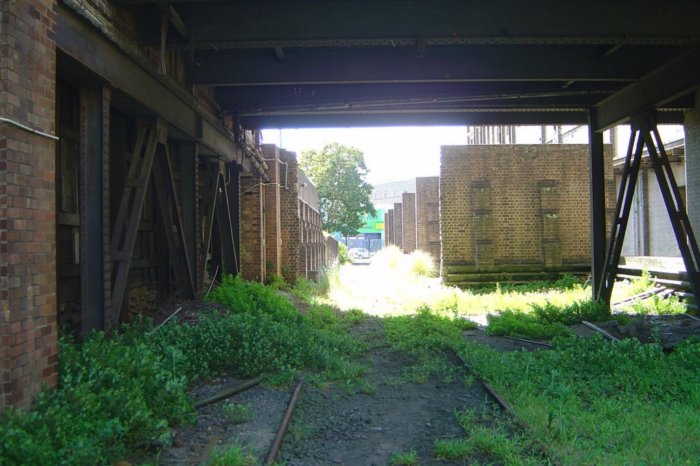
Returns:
<point x="391" y="153"/>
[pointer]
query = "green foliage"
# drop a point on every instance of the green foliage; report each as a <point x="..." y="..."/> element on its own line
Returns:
<point x="546" y="321"/>
<point x="115" y="395"/>
<point x="343" y="257"/>
<point x="642" y="284"/>
<point x="452" y="449"/>
<point x="656" y="305"/>
<point x="339" y="175"/>
<point x="232" y="455"/>
<point x="404" y="458"/>
<point x="426" y="336"/>
<point x="237" y="413"/>
<point x="123" y="393"/>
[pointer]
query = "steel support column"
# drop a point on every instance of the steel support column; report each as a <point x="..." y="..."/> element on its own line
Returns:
<point x="94" y="198"/>
<point x="188" y="154"/>
<point x="597" y="186"/>
<point x="644" y="133"/>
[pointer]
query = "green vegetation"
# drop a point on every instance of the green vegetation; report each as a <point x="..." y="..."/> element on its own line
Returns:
<point x="421" y="264"/>
<point x="588" y="400"/>
<point x="121" y="394"/>
<point x="453" y="449"/>
<point x="404" y="458"/>
<point x="669" y="305"/>
<point x="339" y="172"/>
<point x="237" y="413"/>
<point x="547" y="321"/>
<point x="232" y="455"/>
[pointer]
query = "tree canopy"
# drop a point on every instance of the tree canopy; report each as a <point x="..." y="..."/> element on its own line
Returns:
<point x="339" y="173"/>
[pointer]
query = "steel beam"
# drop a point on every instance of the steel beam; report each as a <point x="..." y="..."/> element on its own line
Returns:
<point x="673" y="80"/>
<point x="597" y="187"/>
<point x="443" y="64"/>
<point x="94" y="198"/>
<point x="141" y="82"/>
<point x="561" y="20"/>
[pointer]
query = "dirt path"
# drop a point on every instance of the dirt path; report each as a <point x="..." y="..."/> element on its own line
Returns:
<point x="337" y="425"/>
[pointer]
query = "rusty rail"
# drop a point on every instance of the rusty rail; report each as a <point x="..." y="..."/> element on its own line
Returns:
<point x="600" y="330"/>
<point x="274" y="450"/>
<point x="230" y="391"/>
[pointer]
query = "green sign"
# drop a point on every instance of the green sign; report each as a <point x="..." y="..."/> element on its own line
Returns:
<point x="373" y="224"/>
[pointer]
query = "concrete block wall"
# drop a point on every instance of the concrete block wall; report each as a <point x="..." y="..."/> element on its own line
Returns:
<point x="398" y="225"/>
<point x="252" y="231"/>
<point x="428" y="215"/>
<point x="408" y="224"/>
<point x="28" y="331"/>
<point x="515" y="209"/>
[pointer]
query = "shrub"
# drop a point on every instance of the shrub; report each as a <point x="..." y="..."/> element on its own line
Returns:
<point x="421" y="264"/>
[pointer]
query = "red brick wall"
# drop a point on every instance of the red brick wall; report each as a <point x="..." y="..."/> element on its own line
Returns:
<point x="252" y="198"/>
<point x="515" y="207"/>
<point x="408" y="225"/>
<point x="428" y="215"/>
<point x="27" y="201"/>
<point x="273" y="237"/>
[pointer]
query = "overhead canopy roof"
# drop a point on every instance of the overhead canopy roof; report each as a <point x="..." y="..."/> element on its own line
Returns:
<point x="281" y="63"/>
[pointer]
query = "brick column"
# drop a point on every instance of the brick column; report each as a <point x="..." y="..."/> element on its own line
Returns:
<point x="389" y="228"/>
<point x="398" y="225"/>
<point x="292" y="265"/>
<point x="27" y="200"/>
<point x="692" y="164"/>
<point x="408" y="227"/>
<point x="428" y="215"/>
<point x="252" y="198"/>
<point x="273" y="237"/>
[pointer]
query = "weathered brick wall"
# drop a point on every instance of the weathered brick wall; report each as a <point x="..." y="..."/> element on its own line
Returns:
<point x="428" y="215"/>
<point x="252" y="199"/>
<point x="27" y="201"/>
<point x="692" y="164"/>
<point x="273" y="235"/>
<point x="398" y="225"/>
<point x="408" y="224"/>
<point x="389" y="227"/>
<point x="289" y="217"/>
<point x="516" y="208"/>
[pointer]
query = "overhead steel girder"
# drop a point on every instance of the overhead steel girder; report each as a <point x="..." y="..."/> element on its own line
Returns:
<point x="559" y="21"/>
<point x="665" y="84"/>
<point x="443" y="64"/>
<point x="86" y="45"/>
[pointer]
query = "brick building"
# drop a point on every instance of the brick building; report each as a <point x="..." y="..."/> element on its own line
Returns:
<point x="515" y="211"/>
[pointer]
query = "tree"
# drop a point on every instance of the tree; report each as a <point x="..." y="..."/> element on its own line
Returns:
<point x="339" y="173"/>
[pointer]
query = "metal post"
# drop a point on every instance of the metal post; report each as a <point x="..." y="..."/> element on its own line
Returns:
<point x="94" y="169"/>
<point x="597" y="187"/>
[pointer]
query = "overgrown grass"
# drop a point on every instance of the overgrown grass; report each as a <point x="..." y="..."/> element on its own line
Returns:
<point x="547" y="321"/>
<point x="588" y="400"/>
<point x="232" y="455"/>
<point x="121" y="394"/>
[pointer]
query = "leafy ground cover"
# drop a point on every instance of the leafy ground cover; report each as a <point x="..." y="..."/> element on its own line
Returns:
<point x="588" y="400"/>
<point x="546" y="321"/>
<point x="121" y="394"/>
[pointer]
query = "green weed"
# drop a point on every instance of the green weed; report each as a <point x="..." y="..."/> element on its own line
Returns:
<point x="452" y="449"/>
<point x="237" y="413"/>
<point x="232" y="455"/>
<point x="404" y="458"/>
